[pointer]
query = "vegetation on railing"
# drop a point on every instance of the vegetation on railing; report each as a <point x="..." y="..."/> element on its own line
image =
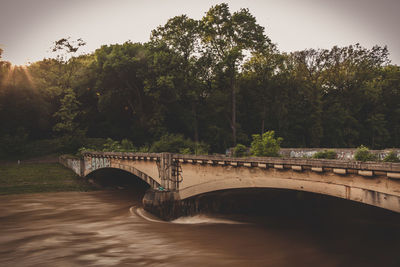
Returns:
<point x="266" y="145"/>
<point x="240" y="151"/>
<point x="363" y="154"/>
<point x="391" y="157"/>
<point x="177" y="143"/>
<point x="326" y="154"/>
<point x="167" y="143"/>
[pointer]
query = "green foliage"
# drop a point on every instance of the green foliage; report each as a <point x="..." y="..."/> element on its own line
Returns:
<point x="186" y="151"/>
<point x="127" y="145"/>
<point x="266" y="145"/>
<point x="171" y="143"/>
<point x="391" y="157"/>
<point x="326" y="154"/>
<point x="363" y="154"/>
<point x="176" y="143"/>
<point x="240" y="151"/>
<point x="67" y="113"/>
<point x="216" y="79"/>
<point x="112" y="145"/>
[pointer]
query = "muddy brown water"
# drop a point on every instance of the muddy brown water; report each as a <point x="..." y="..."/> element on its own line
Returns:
<point x="109" y="228"/>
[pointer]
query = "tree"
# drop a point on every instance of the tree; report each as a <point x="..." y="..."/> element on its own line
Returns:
<point x="120" y="73"/>
<point x="181" y="35"/>
<point x="67" y="114"/>
<point x="229" y="37"/>
<point x="265" y="145"/>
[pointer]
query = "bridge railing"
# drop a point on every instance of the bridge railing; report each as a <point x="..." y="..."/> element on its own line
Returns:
<point x="391" y="170"/>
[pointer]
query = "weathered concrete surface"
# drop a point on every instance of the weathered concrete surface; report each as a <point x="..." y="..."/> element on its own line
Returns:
<point x="378" y="191"/>
<point x="185" y="176"/>
<point x="145" y="169"/>
<point x="76" y="165"/>
<point x="164" y="204"/>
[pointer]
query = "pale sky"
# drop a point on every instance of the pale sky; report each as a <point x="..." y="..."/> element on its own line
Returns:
<point x="29" y="27"/>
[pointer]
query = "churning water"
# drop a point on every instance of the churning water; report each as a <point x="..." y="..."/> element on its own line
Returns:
<point x="109" y="228"/>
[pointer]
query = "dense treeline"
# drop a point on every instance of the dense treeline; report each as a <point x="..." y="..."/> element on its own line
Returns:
<point x="217" y="81"/>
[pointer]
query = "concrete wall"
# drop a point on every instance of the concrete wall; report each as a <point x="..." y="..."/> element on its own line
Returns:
<point x="76" y="165"/>
<point x="378" y="191"/>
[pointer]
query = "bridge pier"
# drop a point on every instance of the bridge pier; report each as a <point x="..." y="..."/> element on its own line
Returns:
<point x="169" y="173"/>
<point x="164" y="204"/>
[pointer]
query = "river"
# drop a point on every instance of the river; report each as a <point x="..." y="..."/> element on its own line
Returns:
<point x="109" y="228"/>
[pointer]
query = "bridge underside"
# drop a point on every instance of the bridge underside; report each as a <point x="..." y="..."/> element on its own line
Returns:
<point x="377" y="191"/>
<point x="378" y="199"/>
<point x="144" y="177"/>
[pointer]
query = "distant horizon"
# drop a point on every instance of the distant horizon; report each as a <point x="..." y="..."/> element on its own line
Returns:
<point x="29" y="28"/>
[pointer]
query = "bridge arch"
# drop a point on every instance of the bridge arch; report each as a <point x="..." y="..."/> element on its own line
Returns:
<point x="351" y="193"/>
<point x="141" y="175"/>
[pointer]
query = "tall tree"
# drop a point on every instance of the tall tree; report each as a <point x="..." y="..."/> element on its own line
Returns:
<point x="229" y="37"/>
<point x="181" y="35"/>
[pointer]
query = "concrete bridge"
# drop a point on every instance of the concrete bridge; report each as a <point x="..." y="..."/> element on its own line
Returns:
<point x="174" y="177"/>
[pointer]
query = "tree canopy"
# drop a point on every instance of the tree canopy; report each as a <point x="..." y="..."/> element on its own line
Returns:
<point x="217" y="81"/>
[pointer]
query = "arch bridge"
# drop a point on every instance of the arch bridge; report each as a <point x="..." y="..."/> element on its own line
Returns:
<point x="175" y="177"/>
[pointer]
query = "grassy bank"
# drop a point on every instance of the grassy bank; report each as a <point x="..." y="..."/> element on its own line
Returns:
<point x="38" y="178"/>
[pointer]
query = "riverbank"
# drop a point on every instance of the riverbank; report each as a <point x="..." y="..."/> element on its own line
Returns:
<point x="39" y="177"/>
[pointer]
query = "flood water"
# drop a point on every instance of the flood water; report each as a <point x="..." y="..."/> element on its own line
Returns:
<point x="109" y="228"/>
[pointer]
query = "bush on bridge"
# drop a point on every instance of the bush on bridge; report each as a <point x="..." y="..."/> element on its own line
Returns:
<point x="326" y="154"/>
<point x="266" y="145"/>
<point x="240" y="151"/>
<point x="177" y="143"/>
<point x="363" y="154"/>
<point x="391" y="157"/>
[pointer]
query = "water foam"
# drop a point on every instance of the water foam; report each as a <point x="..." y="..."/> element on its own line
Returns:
<point x="203" y="219"/>
<point x="196" y="219"/>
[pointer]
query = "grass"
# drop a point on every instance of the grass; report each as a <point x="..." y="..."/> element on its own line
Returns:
<point x="39" y="178"/>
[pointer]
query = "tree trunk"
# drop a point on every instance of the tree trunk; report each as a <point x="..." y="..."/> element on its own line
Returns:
<point x="233" y="122"/>
<point x="195" y="125"/>
<point x="263" y="119"/>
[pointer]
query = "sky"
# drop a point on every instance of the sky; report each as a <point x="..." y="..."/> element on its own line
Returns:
<point x="28" y="28"/>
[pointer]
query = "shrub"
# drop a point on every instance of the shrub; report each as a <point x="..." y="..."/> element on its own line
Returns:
<point x="326" y="154"/>
<point x="266" y="145"/>
<point x="144" y="149"/>
<point x="240" y="151"/>
<point x="185" y="151"/>
<point x="391" y="157"/>
<point x="177" y="143"/>
<point x="201" y="148"/>
<point x="111" y="145"/>
<point x="170" y="143"/>
<point x="127" y="145"/>
<point x="363" y="154"/>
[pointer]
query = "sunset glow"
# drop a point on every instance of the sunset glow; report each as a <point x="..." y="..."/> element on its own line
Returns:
<point x="293" y="25"/>
<point x="15" y="74"/>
